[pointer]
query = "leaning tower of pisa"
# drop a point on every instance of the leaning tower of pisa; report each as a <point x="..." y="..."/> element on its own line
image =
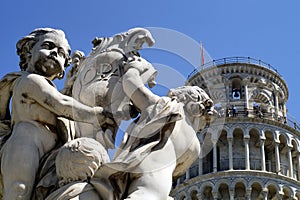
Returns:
<point x="252" y="149"/>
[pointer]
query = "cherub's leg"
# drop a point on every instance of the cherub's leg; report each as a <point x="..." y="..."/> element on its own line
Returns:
<point x="20" y="159"/>
<point x="151" y="185"/>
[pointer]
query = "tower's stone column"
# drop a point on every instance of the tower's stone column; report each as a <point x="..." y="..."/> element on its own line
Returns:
<point x="291" y="169"/>
<point x="277" y="157"/>
<point x="247" y="157"/>
<point x="230" y="155"/>
<point x="298" y="159"/>
<point x="263" y="157"/>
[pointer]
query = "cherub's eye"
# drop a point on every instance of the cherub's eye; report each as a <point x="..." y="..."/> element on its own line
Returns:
<point x="199" y="98"/>
<point x="46" y="45"/>
<point x="61" y="53"/>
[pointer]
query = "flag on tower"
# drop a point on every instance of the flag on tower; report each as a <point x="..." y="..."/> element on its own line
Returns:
<point x="202" y="55"/>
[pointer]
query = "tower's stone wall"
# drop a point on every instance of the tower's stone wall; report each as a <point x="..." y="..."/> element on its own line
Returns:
<point x="250" y="151"/>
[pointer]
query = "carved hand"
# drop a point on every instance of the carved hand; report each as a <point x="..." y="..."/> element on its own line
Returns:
<point x="138" y="63"/>
<point x="104" y="117"/>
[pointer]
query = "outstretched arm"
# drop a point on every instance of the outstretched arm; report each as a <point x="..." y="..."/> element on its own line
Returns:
<point x="135" y="89"/>
<point x="46" y="95"/>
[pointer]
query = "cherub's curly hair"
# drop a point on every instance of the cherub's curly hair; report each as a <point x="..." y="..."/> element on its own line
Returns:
<point x="25" y="44"/>
<point x="194" y="95"/>
<point x="186" y="94"/>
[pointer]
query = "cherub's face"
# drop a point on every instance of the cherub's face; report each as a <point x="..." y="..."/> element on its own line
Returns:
<point x="49" y="54"/>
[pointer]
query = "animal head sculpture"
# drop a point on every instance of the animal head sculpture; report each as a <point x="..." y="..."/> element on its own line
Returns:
<point x="130" y="41"/>
<point x="99" y="73"/>
<point x="97" y="80"/>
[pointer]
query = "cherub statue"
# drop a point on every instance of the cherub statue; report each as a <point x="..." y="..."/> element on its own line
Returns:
<point x="145" y="164"/>
<point x="96" y="80"/>
<point x="159" y="145"/>
<point x="36" y="108"/>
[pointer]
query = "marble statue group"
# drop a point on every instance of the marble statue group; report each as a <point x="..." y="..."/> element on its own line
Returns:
<point x="54" y="144"/>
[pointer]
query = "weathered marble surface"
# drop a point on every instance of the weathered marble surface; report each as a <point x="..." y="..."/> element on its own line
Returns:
<point x="59" y="140"/>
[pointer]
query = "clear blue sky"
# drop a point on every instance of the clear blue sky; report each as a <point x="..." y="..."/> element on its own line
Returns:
<point x="264" y="29"/>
